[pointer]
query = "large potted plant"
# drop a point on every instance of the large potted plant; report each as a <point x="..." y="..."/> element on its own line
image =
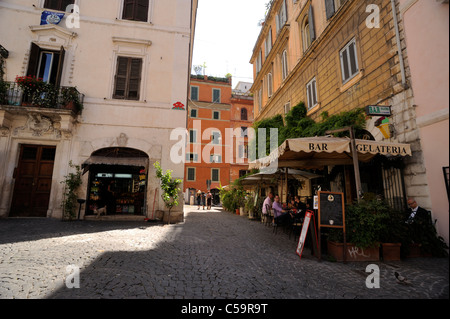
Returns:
<point x="71" y="99"/>
<point x="29" y="85"/>
<point x="365" y="221"/>
<point x="169" y="187"/>
<point x="71" y="183"/>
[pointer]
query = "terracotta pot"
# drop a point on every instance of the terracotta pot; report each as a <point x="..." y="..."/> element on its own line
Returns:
<point x="352" y="253"/>
<point x="391" y="251"/>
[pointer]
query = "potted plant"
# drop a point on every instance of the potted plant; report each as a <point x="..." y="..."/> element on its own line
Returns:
<point x="169" y="187"/>
<point x="250" y="205"/>
<point x="72" y="181"/>
<point x="29" y="84"/>
<point x="71" y="99"/>
<point x="365" y="221"/>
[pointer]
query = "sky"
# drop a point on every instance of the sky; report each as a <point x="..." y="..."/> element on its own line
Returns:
<point x="226" y="32"/>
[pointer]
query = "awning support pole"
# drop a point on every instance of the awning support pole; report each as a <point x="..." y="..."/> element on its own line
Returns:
<point x="354" y="156"/>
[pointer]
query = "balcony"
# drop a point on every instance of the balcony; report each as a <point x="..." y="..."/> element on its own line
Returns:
<point x="33" y="93"/>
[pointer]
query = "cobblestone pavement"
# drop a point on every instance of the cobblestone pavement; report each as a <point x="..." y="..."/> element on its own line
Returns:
<point x="213" y="254"/>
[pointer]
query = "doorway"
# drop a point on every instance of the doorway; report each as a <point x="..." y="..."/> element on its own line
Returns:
<point x="33" y="181"/>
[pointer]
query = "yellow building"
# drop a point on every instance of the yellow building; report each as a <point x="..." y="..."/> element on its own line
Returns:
<point x="336" y="56"/>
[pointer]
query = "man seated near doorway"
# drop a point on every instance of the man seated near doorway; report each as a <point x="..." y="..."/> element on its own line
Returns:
<point x="280" y="215"/>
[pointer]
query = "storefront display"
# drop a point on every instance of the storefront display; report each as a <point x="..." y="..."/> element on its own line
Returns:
<point x="120" y="188"/>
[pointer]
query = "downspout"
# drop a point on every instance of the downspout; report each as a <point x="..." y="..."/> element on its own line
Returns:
<point x="399" y="45"/>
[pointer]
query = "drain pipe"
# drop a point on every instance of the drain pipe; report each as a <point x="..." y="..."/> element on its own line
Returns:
<point x="399" y="45"/>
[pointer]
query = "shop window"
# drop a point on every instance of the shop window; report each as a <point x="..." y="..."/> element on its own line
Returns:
<point x="128" y="78"/>
<point x="136" y="10"/>
<point x="349" y="61"/>
<point x="46" y="64"/>
<point x="59" y="5"/>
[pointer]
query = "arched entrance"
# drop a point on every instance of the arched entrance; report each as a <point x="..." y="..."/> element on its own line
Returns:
<point x="117" y="181"/>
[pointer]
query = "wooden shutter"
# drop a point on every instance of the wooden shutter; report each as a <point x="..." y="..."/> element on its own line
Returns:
<point x="33" y="62"/>
<point x="121" y="78"/>
<point x="329" y="7"/>
<point x="134" y="79"/>
<point x="128" y="9"/>
<point x="62" y="54"/>
<point x="141" y="10"/>
<point x="312" y="30"/>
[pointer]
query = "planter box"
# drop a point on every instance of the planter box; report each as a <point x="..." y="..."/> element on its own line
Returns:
<point x="352" y="253"/>
<point x="415" y="252"/>
<point x="391" y="251"/>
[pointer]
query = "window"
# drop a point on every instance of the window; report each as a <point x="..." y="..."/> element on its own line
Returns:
<point x="216" y="95"/>
<point x="308" y="31"/>
<point x="287" y="107"/>
<point x="191" y="157"/>
<point x="194" y="93"/>
<point x="311" y="93"/>
<point x="244" y="131"/>
<point x="268" y="44"/>
<point x="215" y="137"/>
<point x="243" y="151"/>
<point x="269" y="85"/>
<point x="349" y="61"/>
<point x="259" y="62"/>
<point x="191" y="174"/>
<point x="331" y="6"/>
<point x="194" y="113"/>
<point x="215" y="158"/>
<point x="136" y="10"/>
<point x="46" y="64"/>
<point x="128" y="78"/>
<point x="244" y="116"/>
<point x="59" y="5"/>
<point x="281" y="16"/>
<point x="215" y="175"/>
<point x="260" y="100"/>
<point x="192" y="136"/>
<point x="284" y="65"/>
<point x="216" y="115"/>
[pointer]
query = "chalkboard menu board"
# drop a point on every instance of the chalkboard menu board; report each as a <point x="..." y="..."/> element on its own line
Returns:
<point x="331" y="209"/>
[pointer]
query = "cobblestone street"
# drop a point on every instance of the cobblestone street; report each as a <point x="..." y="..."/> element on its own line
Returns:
<point x="213" y="254"/>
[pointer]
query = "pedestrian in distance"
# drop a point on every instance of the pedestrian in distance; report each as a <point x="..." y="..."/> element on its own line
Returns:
<point x="199" y="198"/>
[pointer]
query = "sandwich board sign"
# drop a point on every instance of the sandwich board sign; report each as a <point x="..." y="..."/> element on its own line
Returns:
<point x="307" y="224"/>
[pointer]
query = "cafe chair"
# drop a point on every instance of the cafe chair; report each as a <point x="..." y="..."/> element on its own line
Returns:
<point x="268" y="217"/>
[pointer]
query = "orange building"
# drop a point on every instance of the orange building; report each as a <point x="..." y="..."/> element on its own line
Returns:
<point x="209" y="112"/>
<point x="241" y="121"/>
<point x="218" y="119"/>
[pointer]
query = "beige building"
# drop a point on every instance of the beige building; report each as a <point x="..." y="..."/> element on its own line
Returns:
<point x="339" y="55"/>
<point x="130" y="63"/>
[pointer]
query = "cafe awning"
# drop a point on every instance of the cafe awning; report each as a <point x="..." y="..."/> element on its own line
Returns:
<point x="316" y="152"/>
<point x="122" y="161"/>
<point x="263" y="177"/>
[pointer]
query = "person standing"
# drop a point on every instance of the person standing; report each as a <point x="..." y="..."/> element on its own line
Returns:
<point x="199" y="198"/>
<point x="208" y="200"/>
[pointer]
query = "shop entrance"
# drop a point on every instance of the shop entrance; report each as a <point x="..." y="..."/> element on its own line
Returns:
<point x="117" y="181"/>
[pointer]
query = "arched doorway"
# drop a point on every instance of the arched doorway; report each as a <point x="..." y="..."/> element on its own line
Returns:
<point x="117" y="181"/>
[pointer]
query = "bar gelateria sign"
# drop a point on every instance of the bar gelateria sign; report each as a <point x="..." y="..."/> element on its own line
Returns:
<point x="384" y="149"/>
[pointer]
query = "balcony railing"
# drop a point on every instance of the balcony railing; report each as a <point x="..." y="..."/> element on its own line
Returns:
<point x="45" y="96"/>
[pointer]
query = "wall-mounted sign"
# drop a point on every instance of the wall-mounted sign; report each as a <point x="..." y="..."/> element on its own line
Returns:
<point x="379" y="110"/>
<point x="49" y="17"/>
<point x="178" y="106"/>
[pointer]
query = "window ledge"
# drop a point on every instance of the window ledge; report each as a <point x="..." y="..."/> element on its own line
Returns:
<point x="314" y="109"/>
<point x="352" y="81"/>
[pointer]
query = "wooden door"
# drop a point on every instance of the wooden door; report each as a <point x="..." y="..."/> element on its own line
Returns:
<point x="33" y="181"/>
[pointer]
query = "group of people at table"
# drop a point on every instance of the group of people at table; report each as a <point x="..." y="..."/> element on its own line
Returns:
<point x="293" y="211"/>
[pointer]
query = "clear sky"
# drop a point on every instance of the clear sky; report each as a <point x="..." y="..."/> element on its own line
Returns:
<point x="226" y="32"/>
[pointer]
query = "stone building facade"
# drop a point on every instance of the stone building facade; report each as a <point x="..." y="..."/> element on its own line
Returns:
<point x="338" y="55"/>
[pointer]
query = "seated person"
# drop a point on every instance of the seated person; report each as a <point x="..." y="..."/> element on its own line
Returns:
<point x="280" y="215"/>
<point x="299" y="204"/>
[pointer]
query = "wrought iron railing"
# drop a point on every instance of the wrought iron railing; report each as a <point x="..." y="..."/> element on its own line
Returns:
<point x="45" y="96"/>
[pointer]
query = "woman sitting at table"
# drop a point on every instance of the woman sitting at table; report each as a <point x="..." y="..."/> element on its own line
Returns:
<point x="280" y="215"/>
